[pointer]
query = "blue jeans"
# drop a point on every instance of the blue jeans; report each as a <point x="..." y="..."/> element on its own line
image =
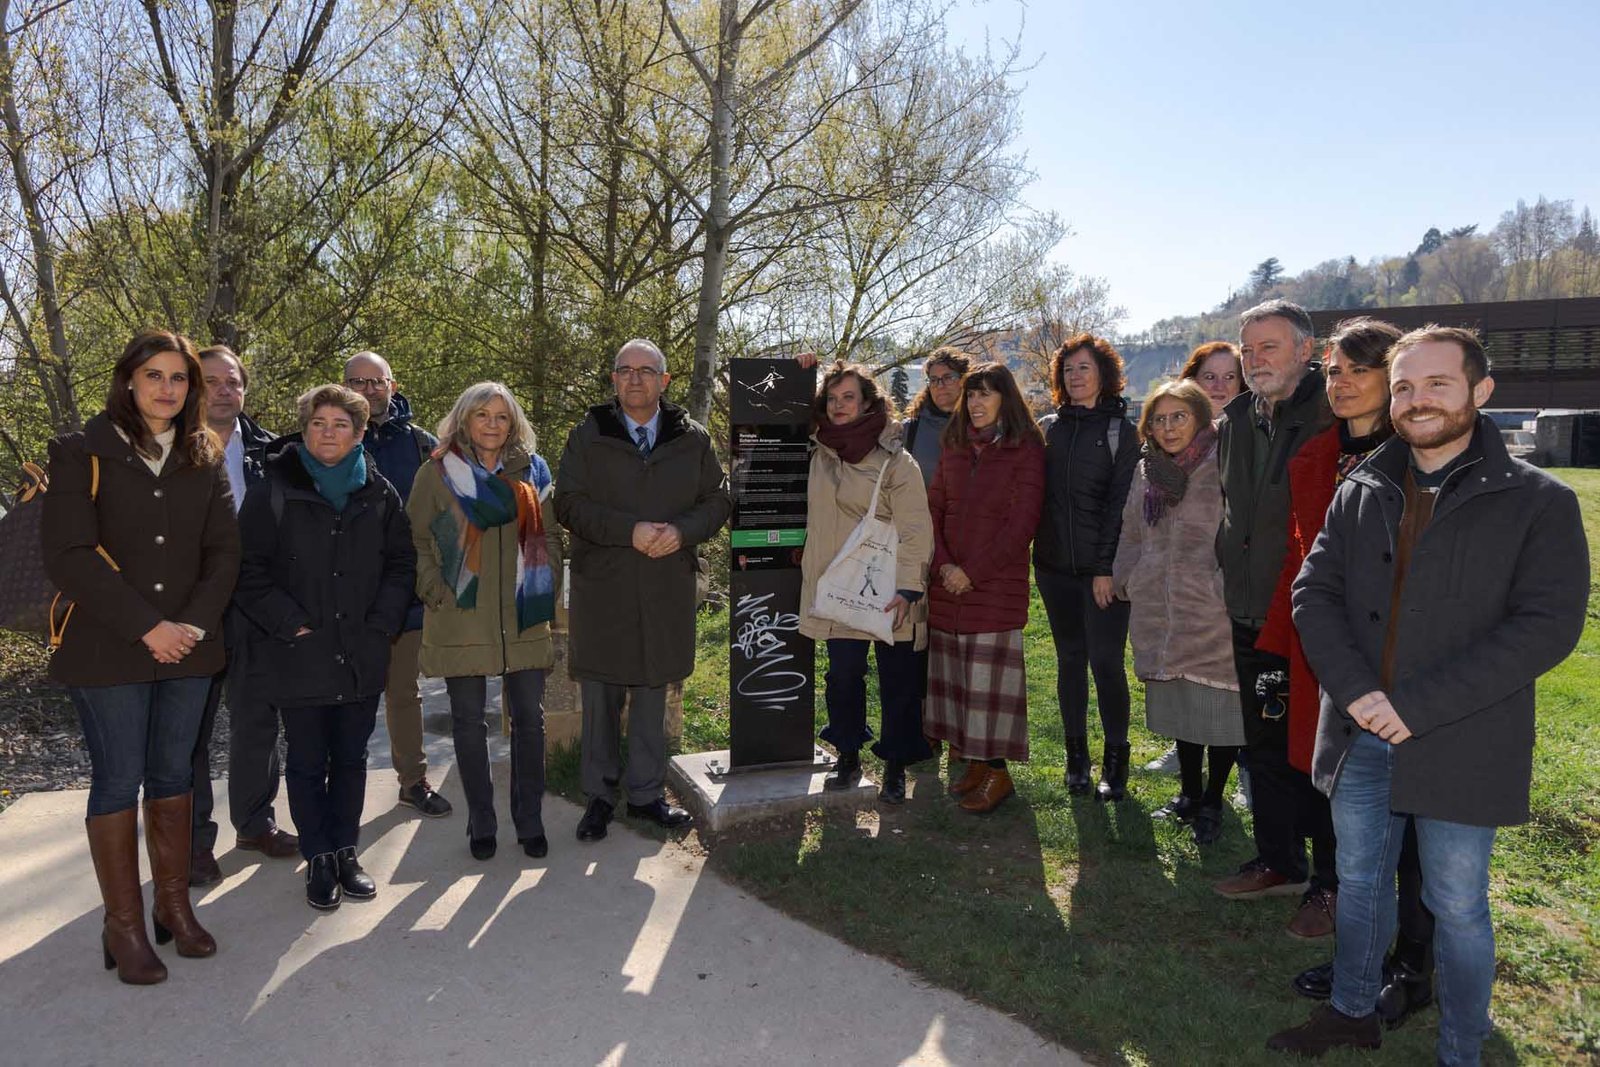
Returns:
<point x="138" y="734"/>
<point x="1455" y="887"/>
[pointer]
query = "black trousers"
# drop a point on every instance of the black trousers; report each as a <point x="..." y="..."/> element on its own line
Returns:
<point x="1416" y="921"/>
<point x="1286" y="808"/>
<point x="1089" y="640"/>
<point x="524" y="693"/>
<point x="253" y="768"/>
<point x="902" y="678"/>
<point x="327" y="772"/>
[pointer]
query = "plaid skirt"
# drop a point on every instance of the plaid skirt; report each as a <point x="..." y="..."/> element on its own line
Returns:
<point x="978" y="694"/>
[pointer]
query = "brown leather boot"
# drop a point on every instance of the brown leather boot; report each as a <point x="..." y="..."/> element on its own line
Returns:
<point x="166" y="834"/>
<point x="994" y="788"/>
<point x="977" y="771"/>
<point x="114" y="846"/>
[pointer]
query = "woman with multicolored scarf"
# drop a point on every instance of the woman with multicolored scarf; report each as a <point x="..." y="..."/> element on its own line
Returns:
<point x="1166" y="567"/>
<point x="488" y="557"/>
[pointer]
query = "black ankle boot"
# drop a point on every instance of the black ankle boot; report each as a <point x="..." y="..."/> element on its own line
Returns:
<point x="1114" y="773"/>
<point x="322" y="882"/>
<point x="846" y="773"/>
<point x="894" y="783"/>
<point x="356" y="883"/>
<point x="1407" y="983"/>
<point x="1077" y="766"/>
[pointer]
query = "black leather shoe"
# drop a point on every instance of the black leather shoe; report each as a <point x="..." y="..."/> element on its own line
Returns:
<point x="1207" y="824"/>
<point x="1315" y="983"/>
<point x="356" y="883"/>
<point x="322" y="882"/>
<point x="661" y="813"/>
<point x="894" y="783"/>
<point x="592" y="827"/>
<point x="537" y="847"/>
<point x="1180" y="809"/>
<point x="846" y="773"/>
<point x="203" y="869"/>
<point x="482" y="847"/>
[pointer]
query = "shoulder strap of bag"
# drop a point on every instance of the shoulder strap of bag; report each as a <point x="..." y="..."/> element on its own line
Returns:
<point x="872" y="507"/>
<point x="61" y="607"/>
<point x="1113" y="435"/>
<point x="420" y="439"/>
<point x="911" y="434"/>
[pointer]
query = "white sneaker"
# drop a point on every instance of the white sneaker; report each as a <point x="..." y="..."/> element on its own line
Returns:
<point x="1166" y="763"/>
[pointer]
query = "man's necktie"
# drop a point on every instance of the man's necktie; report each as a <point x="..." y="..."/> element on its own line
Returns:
<point x="643" y="434"/>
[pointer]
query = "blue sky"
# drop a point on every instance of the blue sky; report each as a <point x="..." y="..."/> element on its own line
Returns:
<point x="1186" y="142"/>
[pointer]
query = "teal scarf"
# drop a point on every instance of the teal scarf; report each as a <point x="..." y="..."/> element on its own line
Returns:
<point x="337" y="482"/>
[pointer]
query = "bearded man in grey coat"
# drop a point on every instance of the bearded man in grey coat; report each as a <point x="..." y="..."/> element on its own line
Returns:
<point x="1448" y="578"/>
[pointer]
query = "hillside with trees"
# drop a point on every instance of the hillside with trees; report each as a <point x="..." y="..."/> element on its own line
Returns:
<point x="1535" y="251"/>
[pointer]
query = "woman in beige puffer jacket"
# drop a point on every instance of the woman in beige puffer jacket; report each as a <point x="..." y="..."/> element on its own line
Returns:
<point x="855" y="440"/>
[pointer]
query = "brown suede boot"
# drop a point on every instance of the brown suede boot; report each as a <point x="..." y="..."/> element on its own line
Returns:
<point x="994" y="788"/>
<point x="166" y="834"/>
<point x="1328" y="1029"/>
<point x="977" y="771"/>
<point x="114" y="847"/>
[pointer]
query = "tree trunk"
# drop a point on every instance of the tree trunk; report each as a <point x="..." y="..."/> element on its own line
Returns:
<point x="54" y="367"/>
<point x="719" y="231"/>
<point x="222" y="183"/>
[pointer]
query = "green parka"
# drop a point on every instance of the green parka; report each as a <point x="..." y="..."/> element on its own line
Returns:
<point x="481" y="641"/>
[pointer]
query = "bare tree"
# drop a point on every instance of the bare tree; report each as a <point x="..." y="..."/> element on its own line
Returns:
<point x="738" y="99"/>
<point x="28" y="278"/>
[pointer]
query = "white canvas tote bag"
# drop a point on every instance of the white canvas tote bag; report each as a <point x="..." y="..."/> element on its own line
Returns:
<point x="859" y="583"/>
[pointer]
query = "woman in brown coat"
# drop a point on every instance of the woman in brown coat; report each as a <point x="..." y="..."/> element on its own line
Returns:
<point x="1166" y="566"/>
<point x="139" y="533"/>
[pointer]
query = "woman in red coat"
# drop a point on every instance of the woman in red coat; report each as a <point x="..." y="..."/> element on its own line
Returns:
<point x="1358" y="391"/>
<point x="985" y="501"/>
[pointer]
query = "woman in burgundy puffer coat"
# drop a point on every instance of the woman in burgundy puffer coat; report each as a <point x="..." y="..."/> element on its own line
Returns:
<point x="985" y="501"/>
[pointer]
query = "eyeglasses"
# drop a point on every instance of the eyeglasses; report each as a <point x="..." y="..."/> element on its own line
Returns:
<point x="1177" y="420"/>
<point x="944" y="379"/>
<point x="636" y="374"/>
<point x="367" y="383"/>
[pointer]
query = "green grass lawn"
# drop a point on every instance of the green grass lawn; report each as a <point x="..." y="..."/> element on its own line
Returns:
<point x="1096" y="925"/>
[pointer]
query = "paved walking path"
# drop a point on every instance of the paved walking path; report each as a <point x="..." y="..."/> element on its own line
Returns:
<point x="620" y="952"/>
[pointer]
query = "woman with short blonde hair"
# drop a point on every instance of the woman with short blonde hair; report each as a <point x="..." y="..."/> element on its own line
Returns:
<point x="349" y="401"/>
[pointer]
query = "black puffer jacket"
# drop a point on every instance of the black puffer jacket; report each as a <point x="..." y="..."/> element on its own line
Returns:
<point x="347" y="576"/>
<point x="1084" y="488"/>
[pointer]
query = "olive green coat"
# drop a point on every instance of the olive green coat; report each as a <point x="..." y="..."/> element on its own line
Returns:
<point x="483" y="640"/>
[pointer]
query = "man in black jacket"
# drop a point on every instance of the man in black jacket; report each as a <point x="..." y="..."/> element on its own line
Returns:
<point x="1447" y="579"/>
<point x="400" y="449"/>
<point x="1261" y="430"/>
<point x="253" y="769"/>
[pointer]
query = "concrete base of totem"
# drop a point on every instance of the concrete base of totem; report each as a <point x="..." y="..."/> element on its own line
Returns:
<point x="719" y="800"/>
